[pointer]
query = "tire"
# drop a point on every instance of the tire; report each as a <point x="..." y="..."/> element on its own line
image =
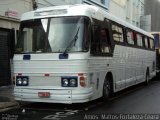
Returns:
<point x="147" y="77"/>
<point x="107" y="89"/>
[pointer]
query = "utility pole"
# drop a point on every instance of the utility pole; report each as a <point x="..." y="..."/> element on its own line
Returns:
<point x="34" y="4"/>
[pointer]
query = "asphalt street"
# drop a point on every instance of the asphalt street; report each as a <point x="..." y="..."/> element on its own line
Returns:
<point x="137" y="102"/>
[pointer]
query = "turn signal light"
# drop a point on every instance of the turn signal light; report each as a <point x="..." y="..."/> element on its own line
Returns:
<point x="82" y="81"/>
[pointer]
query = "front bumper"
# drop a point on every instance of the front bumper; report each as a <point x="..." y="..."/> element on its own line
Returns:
<point x="66" y="96"/>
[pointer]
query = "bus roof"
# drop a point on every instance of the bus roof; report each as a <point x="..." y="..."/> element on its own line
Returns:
<point x="79" y="10"/>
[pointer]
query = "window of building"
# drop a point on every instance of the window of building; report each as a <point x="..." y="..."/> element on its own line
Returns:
<point x="130" y="37"/>
<point x="117" y="33"/>
<point x="103" y="2"/>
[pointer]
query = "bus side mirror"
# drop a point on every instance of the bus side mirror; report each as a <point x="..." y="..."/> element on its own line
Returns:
<point x="11" y="43"/>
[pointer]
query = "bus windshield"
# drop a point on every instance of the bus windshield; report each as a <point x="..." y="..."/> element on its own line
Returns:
<point x="54" y="35"/>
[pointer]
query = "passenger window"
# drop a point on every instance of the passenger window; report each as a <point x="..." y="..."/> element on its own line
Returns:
<point x="130" y="37"/>
<point x="117" y="33"/>
<point x="139" y="39"/>
<point x="146" y="42"/>
<point x="151" y="43"/>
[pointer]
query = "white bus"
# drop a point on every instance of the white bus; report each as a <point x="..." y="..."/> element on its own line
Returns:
<point x="78" y="53"/>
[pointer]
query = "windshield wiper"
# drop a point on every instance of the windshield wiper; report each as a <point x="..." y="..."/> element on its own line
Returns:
<point x="72" y="41"/>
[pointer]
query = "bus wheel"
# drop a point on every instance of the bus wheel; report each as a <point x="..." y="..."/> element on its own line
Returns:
<point x="107" y="89"/>
<point x="147" y="77"/>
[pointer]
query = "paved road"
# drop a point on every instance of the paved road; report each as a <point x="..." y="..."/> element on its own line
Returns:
<point x="142" y="101"/>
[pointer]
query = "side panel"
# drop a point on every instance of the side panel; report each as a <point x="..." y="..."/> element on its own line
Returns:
<point x="98" y="68"/>
<point x="119" y="66"/>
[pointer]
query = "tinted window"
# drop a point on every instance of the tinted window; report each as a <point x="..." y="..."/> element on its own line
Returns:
<point x="101" y="44"/>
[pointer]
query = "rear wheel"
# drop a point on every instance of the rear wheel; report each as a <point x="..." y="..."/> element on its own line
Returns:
<point x="147" y="77"/>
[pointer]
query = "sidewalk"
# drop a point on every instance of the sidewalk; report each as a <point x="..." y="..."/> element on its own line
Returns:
<point x="7" y="98"/>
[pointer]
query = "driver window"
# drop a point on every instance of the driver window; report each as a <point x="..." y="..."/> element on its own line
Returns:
<point x="101" y="44"/>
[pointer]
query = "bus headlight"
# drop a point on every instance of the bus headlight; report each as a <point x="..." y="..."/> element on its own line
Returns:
<point x="65" y="82"/>
<point x="25" y="81"/>
<point x="22" y="80"/>
<point x="18" y="81"/>
<point x="69" y="82"/>
<point x="73" y="82"/>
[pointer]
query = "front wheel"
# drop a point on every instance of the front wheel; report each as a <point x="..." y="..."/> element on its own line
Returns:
<point x="107" y="89"/>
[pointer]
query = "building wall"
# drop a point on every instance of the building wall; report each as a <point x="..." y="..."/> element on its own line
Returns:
<point x="117" y="8"/>
<point x="128" y="10"/>
<point x="9" y="23"/>
<point x="20" y="6"/>
<point x="14" y="9"/>
<point x="152" y="8"/>
<point x="44" y="3"/>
